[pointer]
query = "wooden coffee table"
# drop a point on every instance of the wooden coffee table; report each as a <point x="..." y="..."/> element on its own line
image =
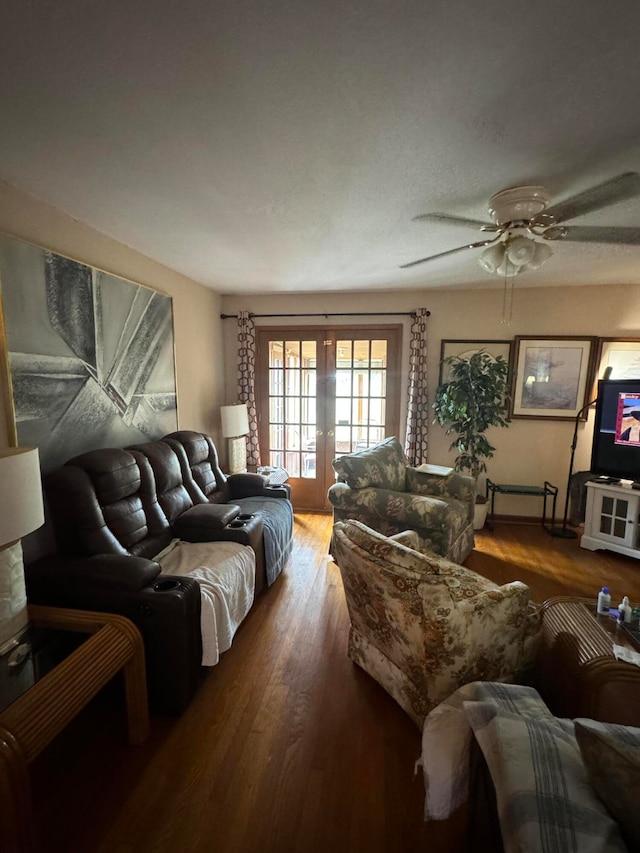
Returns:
<point x="578" y="675"/>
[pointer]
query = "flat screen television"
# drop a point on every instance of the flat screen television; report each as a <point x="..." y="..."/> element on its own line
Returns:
<point x="616" y="437"/>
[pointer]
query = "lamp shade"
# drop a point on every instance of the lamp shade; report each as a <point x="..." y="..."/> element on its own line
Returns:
<point x="235" y="420"/>
<point x="492" y="257"/>
<point x="21" y="509"/>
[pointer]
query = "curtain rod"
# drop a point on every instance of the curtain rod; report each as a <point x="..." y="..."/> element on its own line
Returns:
<point x="331" y="314"/>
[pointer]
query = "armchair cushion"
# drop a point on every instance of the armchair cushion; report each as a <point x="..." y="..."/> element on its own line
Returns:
<point x="383" y="466"/>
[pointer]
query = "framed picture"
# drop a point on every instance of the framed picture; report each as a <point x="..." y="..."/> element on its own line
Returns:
<point x="622" y="355"/>
<point x="89" y="356"/>
<point x="552" y="376"/>
<point x="465" y="349"/>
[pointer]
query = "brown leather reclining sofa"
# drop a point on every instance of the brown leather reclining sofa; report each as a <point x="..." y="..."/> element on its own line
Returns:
<point x="113" y="510"/>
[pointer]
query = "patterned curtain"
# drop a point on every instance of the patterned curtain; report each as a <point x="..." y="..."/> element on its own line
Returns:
<point x="416" y="443"/>
<point x="247" y="381"/>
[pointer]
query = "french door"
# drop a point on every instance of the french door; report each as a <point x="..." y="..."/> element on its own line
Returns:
<point x="321" y="393"/>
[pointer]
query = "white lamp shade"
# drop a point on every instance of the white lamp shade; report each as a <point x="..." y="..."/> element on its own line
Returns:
<point x="542" y="253"/>
<point x="21" y="509"/>
<point x="235" y="420"/>
<point x="492" y="257"/>
<point x="520" y="250"/>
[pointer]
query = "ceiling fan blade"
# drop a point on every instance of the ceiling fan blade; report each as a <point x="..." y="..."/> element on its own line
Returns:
<point x="620" y="188"/>
<point x="449" y="252"/>
<point x="456" y="220"/>
<point x="586" y="234"/>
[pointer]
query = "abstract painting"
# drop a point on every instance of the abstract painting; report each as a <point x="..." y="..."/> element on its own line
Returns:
<point x="552" y="376"/>
<point x="90" y="355"/>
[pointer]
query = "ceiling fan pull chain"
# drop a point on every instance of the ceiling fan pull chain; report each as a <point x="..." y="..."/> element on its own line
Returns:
<point x="507" y="301"/>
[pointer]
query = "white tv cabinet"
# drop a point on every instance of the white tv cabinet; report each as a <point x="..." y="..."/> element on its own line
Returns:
<point x="612" y="520"/>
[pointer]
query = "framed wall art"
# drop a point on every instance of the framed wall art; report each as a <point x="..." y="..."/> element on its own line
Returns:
<point x="465" y="349"/>
<point x="622" y="355"/>
<point x="552" y="376"/>
<point x="90" y="356"/>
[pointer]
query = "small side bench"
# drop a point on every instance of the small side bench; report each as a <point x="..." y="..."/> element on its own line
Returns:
<point x="530" y="491"/>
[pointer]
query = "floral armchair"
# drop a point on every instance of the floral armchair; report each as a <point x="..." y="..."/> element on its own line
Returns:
<point x="422" y="626"/>
<point x="377" y="487"/>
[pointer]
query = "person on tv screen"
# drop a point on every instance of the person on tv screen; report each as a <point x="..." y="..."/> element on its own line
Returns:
<point x="632" y="433"/>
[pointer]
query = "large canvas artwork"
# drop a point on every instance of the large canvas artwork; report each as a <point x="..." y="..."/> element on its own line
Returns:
<point x="90" y="355"/>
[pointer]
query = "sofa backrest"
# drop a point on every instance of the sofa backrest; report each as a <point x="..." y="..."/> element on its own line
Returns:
<point x="201" y="472"/>
<point x="171" y="492"/>
<point x="383" y="466"/>
<point x="104" y="502"/>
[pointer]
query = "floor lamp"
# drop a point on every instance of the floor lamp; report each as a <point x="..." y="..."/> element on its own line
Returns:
<point x="21" y="512"/>
<point x="235" y="428"/>
<point x="565" y="532"/>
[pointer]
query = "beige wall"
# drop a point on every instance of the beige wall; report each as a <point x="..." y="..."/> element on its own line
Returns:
<point x="529" y="451"/>
<point x="196" y="309"/>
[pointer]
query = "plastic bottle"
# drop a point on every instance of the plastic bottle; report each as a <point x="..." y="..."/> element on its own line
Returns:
<point x="624" y="609"/>
<point x="604" y="601"/>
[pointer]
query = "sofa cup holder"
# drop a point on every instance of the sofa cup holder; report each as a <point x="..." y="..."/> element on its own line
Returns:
<point x="166" y="585"/>
<point x="237" y="523"/>
<point x="245" y="516"/>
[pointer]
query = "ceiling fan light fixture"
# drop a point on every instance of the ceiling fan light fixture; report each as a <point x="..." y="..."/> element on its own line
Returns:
<point x="541" y="254"/>
<point x="491" y="259"/>
<point x="507" y="269"/>
<point x="520" y="250"/>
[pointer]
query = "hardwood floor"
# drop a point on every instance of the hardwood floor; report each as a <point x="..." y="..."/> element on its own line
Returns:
<point x="287" y="746"/>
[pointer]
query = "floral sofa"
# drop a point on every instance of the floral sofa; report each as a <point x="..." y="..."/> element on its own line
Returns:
<point x="377" y="487"/>
<point x="422" y="626"/>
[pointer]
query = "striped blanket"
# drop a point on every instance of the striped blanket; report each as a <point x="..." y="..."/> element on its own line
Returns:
<point x="544" y="798"/>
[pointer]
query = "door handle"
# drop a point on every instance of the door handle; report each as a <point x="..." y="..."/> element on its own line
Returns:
<point x="331" y="433"/>
<point x="319" y="432"/>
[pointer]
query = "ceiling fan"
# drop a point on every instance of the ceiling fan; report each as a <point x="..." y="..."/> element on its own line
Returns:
<point x="523" y="223"/>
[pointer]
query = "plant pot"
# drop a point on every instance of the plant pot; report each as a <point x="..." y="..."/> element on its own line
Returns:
<point x="480" y="511"/>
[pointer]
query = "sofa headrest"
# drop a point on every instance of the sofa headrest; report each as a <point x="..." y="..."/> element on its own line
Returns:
<point x="114" y="473"/>
<point x="164" y="464"/>
<point x="383" y="466"/>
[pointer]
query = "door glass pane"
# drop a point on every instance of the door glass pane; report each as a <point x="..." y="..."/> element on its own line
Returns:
<point x="292" y="406"/>
<point x="605" y="524"/>
<point x="276" y="436"/>
<point x="276" y="348"/>
<point x="376" y="411"/>
<point x="343" y="354"/>
<point x="360" y="383"/>
<point x="292" y="382"/>
<point x="292" y="410"/>
<point x="361" y="353"/>
<point x="308" y="379"/>
<point x="378" y="383"/>
<point x="292" y="350"/>
<point x="360" y="411"/>
<point x="607" y="505"/>
<point x="275" y="410"/>
<point x="366" y="386"/>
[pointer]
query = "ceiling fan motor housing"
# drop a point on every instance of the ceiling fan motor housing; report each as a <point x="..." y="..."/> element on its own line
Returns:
<point x="518" y="204"/>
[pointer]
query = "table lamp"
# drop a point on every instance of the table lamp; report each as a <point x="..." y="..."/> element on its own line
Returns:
<point x="235" y="428"/>
<point x="21" y="512"/>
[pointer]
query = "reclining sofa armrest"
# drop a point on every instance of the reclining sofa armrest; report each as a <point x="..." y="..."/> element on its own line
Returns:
<point x="166" y="610"/>
<point x="253" y="486"/>
<point x="112" y="572"/>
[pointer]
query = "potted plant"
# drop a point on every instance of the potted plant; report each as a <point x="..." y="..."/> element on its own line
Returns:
<point x="474" y="399"/>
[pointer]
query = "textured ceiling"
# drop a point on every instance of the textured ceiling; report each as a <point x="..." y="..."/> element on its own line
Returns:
<point x="278" y="146"/>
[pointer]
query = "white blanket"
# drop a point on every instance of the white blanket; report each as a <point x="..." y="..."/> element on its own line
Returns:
<point x="226" y="572"/>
